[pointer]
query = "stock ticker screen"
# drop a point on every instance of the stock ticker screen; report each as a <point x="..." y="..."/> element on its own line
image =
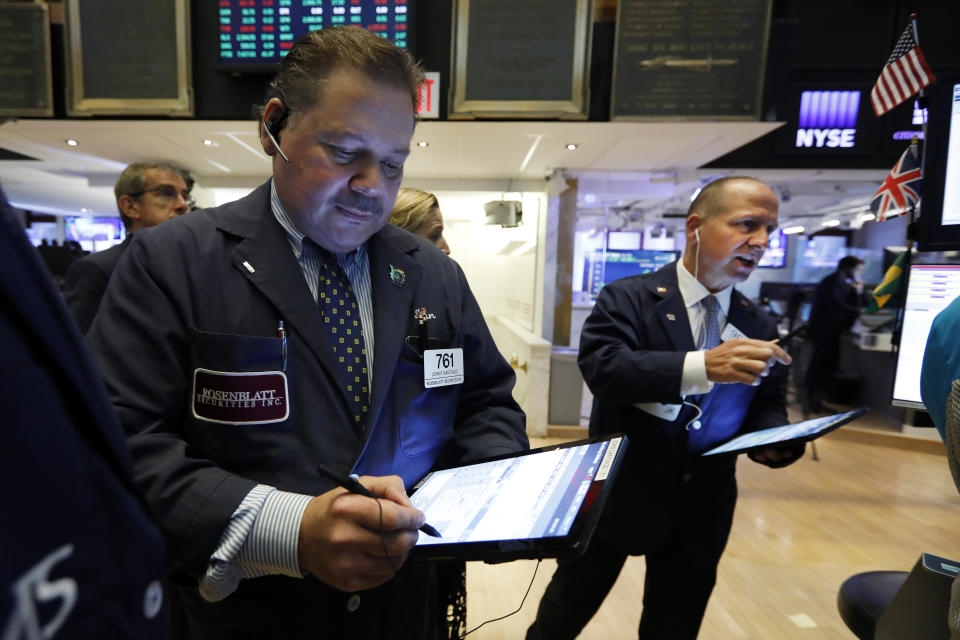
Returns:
<point x="260" y="32"/>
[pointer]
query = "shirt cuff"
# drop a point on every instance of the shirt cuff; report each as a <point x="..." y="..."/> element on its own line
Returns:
<point x="260" y="539"/>
<point x="693" y="380"/>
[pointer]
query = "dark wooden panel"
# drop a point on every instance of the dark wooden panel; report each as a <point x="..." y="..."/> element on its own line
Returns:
<point x="690" y="58"/>
<point x="25" y="84"/>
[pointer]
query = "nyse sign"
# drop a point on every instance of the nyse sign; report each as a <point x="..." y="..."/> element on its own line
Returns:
<point x="828" y="119"/>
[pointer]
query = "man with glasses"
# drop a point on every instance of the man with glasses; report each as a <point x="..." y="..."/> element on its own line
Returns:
<point x="147" y="194"/>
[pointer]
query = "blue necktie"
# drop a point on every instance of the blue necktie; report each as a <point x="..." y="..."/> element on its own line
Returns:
<point x="710" y="327"/>
<point x="341" y="319"/>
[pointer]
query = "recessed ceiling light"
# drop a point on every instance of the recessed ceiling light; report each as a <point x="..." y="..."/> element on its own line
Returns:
<point x="71" y="142"/>
<point x="423" y="144"/>
<point x="572" y="146"/>
<point x="590" y="198"/>
<point x="830" y="223"/>
<point x="207" y="142"/>
<point x="792" y="230"/>
<point x="867" y="217"/>
<point x="85" y="210"/>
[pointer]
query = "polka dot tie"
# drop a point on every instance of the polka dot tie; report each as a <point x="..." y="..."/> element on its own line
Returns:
<point x="341" y="319"/>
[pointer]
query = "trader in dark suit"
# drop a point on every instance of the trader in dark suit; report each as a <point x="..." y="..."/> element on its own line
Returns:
<point x="679" y="361"/>
<point x="245" y="345"/>
<point x="836" y="306"/>
<point x="147" y="194"/>
<point x="80" y="556"/>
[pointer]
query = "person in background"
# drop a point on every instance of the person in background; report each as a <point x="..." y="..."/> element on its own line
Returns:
<point x="836" y="306"/>
<point x="80" y="556"/>
<point x="679" y="361"/>
<point x="246" y="345"/>
<point x="419" y="213"/>
<point x="147" y="194"/>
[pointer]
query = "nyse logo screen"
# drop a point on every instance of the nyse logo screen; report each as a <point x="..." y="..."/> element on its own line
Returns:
<point x="828" y="119"/>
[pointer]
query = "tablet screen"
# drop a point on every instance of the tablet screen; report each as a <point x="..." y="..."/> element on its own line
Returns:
<point x="532" y="496"/>
<point x="806" y="430"/>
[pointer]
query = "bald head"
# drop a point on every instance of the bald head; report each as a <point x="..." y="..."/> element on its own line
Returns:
<point x="721" y="194"/>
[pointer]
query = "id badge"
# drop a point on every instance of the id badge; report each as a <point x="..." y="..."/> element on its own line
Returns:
<point x="442" y="367"/>
<point x="730" y="332"/>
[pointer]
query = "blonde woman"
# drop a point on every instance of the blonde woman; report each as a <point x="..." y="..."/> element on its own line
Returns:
<point x="419" y="213"/>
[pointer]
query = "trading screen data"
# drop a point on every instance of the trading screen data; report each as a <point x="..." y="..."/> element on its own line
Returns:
<point x="262" y="31"/>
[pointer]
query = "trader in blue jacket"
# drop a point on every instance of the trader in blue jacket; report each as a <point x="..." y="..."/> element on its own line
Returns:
<point x="80" y="555"/>
<point x="248" y="344"/>
<point x="679" y="361"/>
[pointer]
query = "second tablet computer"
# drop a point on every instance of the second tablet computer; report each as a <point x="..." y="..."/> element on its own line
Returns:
<point x="542" y="503"/>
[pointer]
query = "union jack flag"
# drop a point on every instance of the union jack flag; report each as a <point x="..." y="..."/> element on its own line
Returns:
<point x="905" y="73"/>
<point x="900" y="192"/>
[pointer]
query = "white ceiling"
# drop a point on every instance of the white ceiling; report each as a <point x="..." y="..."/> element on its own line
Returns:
<point x="649" y="165"/>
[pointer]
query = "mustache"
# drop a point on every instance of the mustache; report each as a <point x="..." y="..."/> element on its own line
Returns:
<point x="360" y="202"/>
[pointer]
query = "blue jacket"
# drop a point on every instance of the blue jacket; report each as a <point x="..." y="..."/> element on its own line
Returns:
<point x="79" y="553"/>
<point x="631" y="353"/>
<point x="206" y="291"/>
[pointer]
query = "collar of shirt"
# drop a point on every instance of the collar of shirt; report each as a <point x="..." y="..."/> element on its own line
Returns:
<point x="693" y="291"/>
<point x="295" y="237"/>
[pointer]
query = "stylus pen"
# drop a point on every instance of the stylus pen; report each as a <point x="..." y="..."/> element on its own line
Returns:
<point x="352" y="484"/>
<point x="800" y="328"/>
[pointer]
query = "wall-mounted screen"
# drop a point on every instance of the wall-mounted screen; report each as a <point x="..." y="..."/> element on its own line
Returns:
<point x="776" y="254"/>
<point x="94" y="234"/>
<point x="940" y="208"/>
<point x="255" y="34"/>
<point x="930" y="289"/>
<point x="827" y="121"/>
<point x="602" y="267"/>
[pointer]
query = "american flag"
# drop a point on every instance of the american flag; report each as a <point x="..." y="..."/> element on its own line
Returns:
<point x="900" y="192"/>
<point x="905" y="73"/>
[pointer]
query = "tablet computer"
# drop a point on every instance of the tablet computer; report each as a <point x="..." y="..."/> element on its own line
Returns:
<point x="542" y="503"/>
<point x="788" y="433"/>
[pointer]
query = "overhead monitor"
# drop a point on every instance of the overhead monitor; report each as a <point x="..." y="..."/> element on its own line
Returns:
<point x="930" y="288"/>
<point x="776" y="253"/>
<point x="603" y="267"/>
<point x="939" y="223"/>
<point x="254" y="35"/>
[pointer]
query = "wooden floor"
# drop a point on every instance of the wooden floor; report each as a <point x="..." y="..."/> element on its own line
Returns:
<point x="798" y="533"/>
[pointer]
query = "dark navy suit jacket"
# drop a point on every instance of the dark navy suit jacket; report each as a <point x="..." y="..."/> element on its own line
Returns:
<point x="206" y="291"/>
<point x="78" y="550"/>
<point x="631" y="353"/>
<point x="87" y="280"/>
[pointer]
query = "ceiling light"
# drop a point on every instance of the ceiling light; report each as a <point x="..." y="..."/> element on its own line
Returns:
<point x="71" y="142"/>
<point x="833" y="222"/>
<point x="696" y="192"/>
<point x="796" y="229"/>
<point x="423" y="144"/>
<point x="590" y="198"/>
<point x="867" y="217"/>
<point x="572" y="146"/>
<point x="85" y="210"/>
<point x="207" y="142"/>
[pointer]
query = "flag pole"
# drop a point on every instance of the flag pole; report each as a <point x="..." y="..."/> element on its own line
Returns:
<point x="922" y="104"/>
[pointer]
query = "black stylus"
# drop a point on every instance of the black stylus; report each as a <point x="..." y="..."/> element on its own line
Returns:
<point x="800" y="328"/>
<point x="352" y="484"/>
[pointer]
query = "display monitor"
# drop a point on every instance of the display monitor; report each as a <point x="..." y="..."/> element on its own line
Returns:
<point x="602" y="267"/>
<point x="776" y="254"/>
<point x="930" y="288"/>
<point x="254" y="35"/>
<point x="939" y="223"/>
<point x="94" y="233"/>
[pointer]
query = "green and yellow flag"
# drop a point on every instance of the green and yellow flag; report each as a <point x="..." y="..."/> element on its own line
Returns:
<point x="891" y="285"/>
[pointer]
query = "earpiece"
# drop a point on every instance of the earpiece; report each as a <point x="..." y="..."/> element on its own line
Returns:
<point x="273" y="130"/>
<point x="696" y="232"/>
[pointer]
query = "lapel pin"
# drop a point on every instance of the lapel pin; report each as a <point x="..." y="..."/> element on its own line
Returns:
<point x="671" y="317"/>
<point x="249" y="267"/>
<point x="661" y="289"/>
<point x="397" y="276"/>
